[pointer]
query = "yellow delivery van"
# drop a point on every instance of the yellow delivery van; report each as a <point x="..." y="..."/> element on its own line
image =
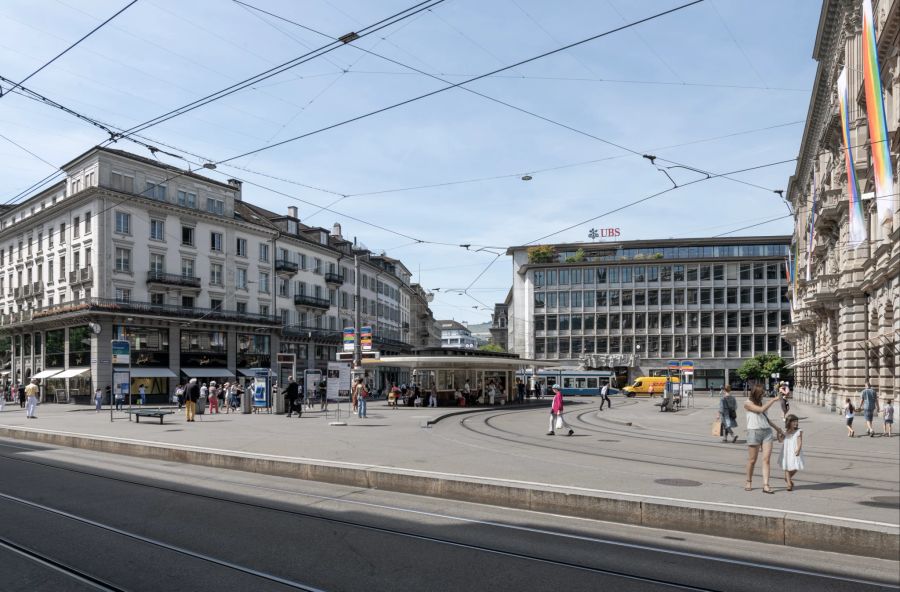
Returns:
<point x="643" y="385"/>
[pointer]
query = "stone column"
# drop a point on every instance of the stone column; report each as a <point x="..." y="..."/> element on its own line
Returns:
<point x="101" y="357"/>
<point x="851" y="354"/>
<point x="174" y="356"/>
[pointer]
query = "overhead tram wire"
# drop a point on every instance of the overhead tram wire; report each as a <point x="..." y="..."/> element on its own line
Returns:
<point x="274" y="71"/>
<point x="470" y="80"/>
<point x="72" y="46"/>
<point x="769" y="221"/>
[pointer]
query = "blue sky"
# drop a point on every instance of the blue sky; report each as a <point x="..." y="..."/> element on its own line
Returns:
<point x="683" y="81"/>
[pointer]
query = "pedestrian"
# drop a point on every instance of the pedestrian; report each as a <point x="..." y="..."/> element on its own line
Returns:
<point x="759" y="435"/>
<point x="291" y="391"/>
<point x="142" y="393"/>
<point x="728" y="414"/>
<point x="392" y="396"/>
<point x="361" y="395"/>
<point x="31" y="392"/>
<point x="792" y="451"/>
<point x="784" y="391"/>
<point x="300" y="396"/>
<point x="543" y="389"/>
<point x="213" y="394"/>
<point x="557" y="421"/>
<point x="323" y="396"/>
<point x="869" y="407"/>
<point x="20" y="391"/>
<point x="120" y="400"/>
<point x="520" y="391"/>
<point x="220" y="395"/>
<point x="433" y="396"/>
<point x="888" y="417"/>
<point x="649" y="393"/>
<point x="849" y="413"/>
<point x="179" y="396"/>
<point x="467" y="392"/>
<point x="354" y="397"/>
<point x="604" y="396"/>
<point x="98" y="399"/>
<point x="191" y="396"/>
<point x="108" y="391"/>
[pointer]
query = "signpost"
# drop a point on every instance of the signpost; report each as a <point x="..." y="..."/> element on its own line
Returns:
<point x="349" y="338"/>
<point x="121" y="371"/>
<point x="365" y="338"/>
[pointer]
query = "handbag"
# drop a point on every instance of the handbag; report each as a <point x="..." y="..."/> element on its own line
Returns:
<point x="559" y="422"/>
<point x="716" y="428"/>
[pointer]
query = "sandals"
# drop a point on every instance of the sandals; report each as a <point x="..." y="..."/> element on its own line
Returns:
<point x="767" y="489"/>
<point x="790" y="487"/>
<point x="748" y="486"/>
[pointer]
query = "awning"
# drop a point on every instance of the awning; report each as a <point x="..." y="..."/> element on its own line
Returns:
<point x="44" y="373"/>
<point x="208" y="372"/>
<point x="152" y="373"/>
<point x="73" y="372"/>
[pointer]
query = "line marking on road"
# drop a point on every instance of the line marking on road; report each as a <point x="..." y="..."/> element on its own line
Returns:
<point x="462" y="476"/>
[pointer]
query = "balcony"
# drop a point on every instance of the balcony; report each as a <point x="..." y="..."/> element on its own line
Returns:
<point x="334" y="279"/>
<point x="286" y="268"/>
<point x="317" y="334"/>
<point x="173" y="279"/>
<point x="85" y="275"/>
<point x="311" y="301"/>
<point x="158" y="310"/>
<point x="829" y="206"/>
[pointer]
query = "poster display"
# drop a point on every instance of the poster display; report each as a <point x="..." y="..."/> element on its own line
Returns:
<point x="338" y="380"/>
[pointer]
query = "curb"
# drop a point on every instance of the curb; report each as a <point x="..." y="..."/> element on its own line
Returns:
<point x="773" y="527"/>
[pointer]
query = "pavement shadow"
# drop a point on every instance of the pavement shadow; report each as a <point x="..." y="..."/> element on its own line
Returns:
<point x="824" y="486"/>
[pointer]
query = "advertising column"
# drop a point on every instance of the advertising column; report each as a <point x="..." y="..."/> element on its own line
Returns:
<point x="121" y="372"/>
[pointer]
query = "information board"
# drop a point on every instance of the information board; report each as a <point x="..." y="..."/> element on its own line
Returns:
<point x="338" y="380"/>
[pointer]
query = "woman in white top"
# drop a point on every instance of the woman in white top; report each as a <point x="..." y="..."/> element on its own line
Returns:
<point x="759" y="434"/>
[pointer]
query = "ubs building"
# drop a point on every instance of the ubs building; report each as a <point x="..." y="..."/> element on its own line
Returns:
<point x="632" y="306"/>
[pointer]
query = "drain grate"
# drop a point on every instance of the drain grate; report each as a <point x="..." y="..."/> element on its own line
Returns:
<point x="679" y="482"/>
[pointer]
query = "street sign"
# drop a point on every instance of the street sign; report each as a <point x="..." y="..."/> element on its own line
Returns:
<point x="687" y="367"/>
<point x="366" y="355"/>
<point x="121" y="352"/>
<point x="365" y="338"/>
<point x="349" y="338"/>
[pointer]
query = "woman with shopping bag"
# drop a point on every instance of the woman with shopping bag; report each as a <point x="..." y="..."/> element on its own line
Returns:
<point x="556" y="413"/>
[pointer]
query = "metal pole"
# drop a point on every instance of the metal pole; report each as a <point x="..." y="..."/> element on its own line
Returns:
<point x="357" y="345"/>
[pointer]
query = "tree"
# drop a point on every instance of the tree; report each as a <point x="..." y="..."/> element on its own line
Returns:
<point x="542" y="254"/>
<point x="578" y="257"/>
<point x="492" y="347"/>
<point x="763" y="366"/>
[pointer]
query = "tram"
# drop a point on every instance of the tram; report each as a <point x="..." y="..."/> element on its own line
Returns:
<point x="573" y="381"/>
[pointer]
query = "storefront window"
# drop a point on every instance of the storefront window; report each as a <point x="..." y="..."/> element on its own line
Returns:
<point x="56" y="349"/>
<point x="203" y="349"/>
<point x="37" y="344"/>
<point x="149" y="345"/>
<point x="26" y="344"/>
<point x="79" y="346"/>
<point x="253" y="351"/>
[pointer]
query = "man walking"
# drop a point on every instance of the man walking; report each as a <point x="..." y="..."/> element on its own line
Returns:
<point x="20" y="391"/>
<point x="604" y="394"/>
<point x="520" y="391"/>
<point x="556" y="413"/>
<point x="359" y="391"/>
<point x="31" y="393"/>
<point x="192" y="395"/>
<point x="728" y="414"/>
<point x="870" y="407"/>
<point x="292" y="391"/>
<point x="142" y="393"/>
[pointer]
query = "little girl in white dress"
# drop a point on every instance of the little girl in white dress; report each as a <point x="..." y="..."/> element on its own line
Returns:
<point x="792" y="451"/>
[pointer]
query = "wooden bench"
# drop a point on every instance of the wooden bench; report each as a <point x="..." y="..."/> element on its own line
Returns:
<point x="160" y="413"/>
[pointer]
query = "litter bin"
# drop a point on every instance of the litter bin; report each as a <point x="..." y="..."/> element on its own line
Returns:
<point x="202" y="402"/>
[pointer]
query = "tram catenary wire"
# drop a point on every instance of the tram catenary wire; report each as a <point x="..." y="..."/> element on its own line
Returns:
<point x="308" y="515"/>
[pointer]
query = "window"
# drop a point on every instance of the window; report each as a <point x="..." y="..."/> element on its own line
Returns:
<point x="732" y="296"/>
<point x="704" y="272"/>
<point x="601" y="322"/>
<point x="746" y="270"/>
<point x="264" y="252"/>
<point x="719" y="320"/>
<point x="215" y="274"/>
<point x="187" y="268"/>
<point x="759" y="271"/>
<point x="772" y="271"/>
<point x="264" y="282"/>
<point x="601" y="297"/>
<point x="122" y="182"/>
<point x="705" y="320"/>
<point x="551" y="299"/>
<point x="759" y="295"/>
<point x="551" y="277"/>
<point x="539" y="323"/>
<point x="627" y="320"/>
<point x="76" y="228"/>
<point x="551" y="322"/>
<point x="87" y="222"/>
<point x="614" y="298"/>
<point x="614" y="275"/>
<point x="653" y="297"/>
<point x="187" y="302"/>
<point x="705" y="296"/>
<point x="241" y="247"/>
<point x="49" y="240"/>
<point x="187" y="236"/>
<point x="627" y="298"/>
<point x="692" y="274"/>
<point x="589" y="276"/>
<point x="242" y="307"/>
<point x="564" y="300"/>
<point x="745" y="296"/>
<point x="538" y="278"/>
<point x="215" y="241"/>
<point x="718" y="295"/>
<point x="772" y="320"/>
<point x="576" y="276"/>
<point x="157" y="263"/>
<point x="665" y="297"/>
<point x="215" y="206"/>
<point x="123" y="295"/>
<point x="678" y="273"/>
<point x="157" y="230"/>
<point x="186" y="199"/>
<point x="640" y="297"/>
<point x="601" y="275"/>
<point x="678" y="320"/>
<point x="718" y="272"/>
<point x="653" y="274"/>
<point x="154" y="191"/>
<point x="626" y="275"/>
<point x="589" y="322"/>
<point x="772" y="296"/>
<point x="563" y="277"/>
<point x="240" y="278"/>
<point x="640" y="320"/>
<point x="563" y="322"/>
<point x="679" y="297"/>
<point x="123" y="259"/>
<point x="215" y="303"/>
<point x="666" y="273"/>
<point x="639" y="274"/>
<point x="732" y="319"/>
<point x="614" y="321"/>
<point x="576" y="299"/>
<point x="157" y="298"/>
<point x="746" y="320"/>
<point x="123" y="223"/>
<point x="692" y="295"/>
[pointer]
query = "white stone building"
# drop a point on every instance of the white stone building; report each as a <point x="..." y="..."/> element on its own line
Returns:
<point x="847" y="315"/>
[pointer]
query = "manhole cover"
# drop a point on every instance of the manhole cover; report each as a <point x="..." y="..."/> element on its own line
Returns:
<point x="884" y="501"/>
<point x="678" y="482"/>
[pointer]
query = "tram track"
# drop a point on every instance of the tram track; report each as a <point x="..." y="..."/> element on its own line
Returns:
<point x="71" y="573"/>
<point x="99" y="584"/>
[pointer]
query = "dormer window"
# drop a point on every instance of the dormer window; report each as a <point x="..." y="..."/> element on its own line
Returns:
<point x="292" y="227"/>
<point x="323" y="238"/>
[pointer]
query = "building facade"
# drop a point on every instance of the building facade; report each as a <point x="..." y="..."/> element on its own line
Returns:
<point x="499" y="323"/>
<point x="847" y="301"/>
<point x="633" y="306"/>
<point x="455" y="334"/>
<point x="202" y="283"/>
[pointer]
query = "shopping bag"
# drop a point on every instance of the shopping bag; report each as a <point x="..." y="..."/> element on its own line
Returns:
<point x="717" y="428"/>
<point x="559" y="422"/>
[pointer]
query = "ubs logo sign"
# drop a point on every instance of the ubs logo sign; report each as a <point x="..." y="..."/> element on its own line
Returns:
<point x="594" y="233"/>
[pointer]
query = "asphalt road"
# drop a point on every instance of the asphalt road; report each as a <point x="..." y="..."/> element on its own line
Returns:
<point x="76" y="520"/>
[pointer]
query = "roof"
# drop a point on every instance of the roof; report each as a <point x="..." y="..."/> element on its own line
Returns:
<point x="664" y="242"/>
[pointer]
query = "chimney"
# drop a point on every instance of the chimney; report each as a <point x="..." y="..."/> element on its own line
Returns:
<point x="336" y="231"/>
<point x="292" y="211"/>
<point x="237" y="185"/>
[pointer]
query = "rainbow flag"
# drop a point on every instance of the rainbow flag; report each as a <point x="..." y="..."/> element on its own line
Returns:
<point x="878" y="136"/>
<point x="857" y="225"/>
<point x="812" y="229"/>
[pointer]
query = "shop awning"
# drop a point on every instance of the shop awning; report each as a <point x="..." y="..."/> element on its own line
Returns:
<point x="208" y="372"/>
<point x="45" y="373"/>
<point x="73" y="372"/>
<point x="152" y="373"/>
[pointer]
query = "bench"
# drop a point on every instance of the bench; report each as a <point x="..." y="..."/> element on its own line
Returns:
<point x="160" y="413"/>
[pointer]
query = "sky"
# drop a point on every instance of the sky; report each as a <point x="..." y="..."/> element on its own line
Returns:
<point x="720" y="86"/>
